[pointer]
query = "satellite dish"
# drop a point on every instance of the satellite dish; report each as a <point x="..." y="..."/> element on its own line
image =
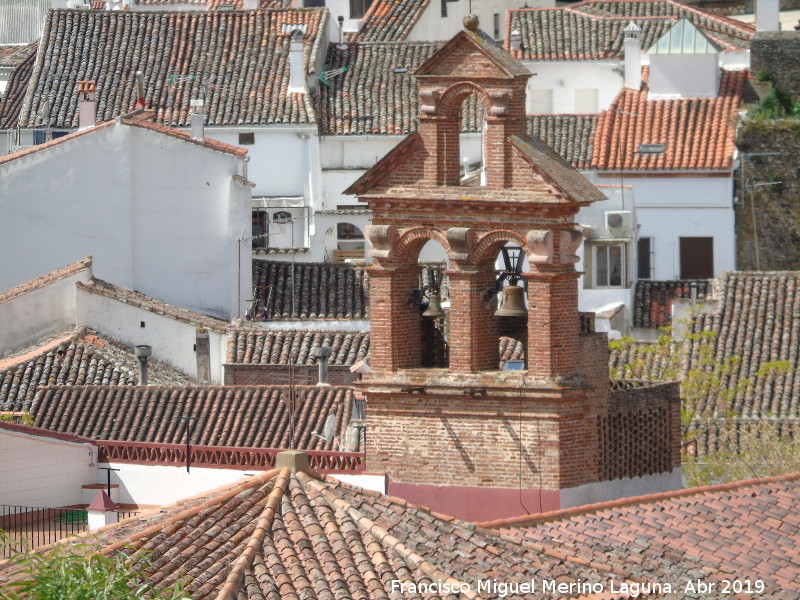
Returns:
<point x="330" y="428"/>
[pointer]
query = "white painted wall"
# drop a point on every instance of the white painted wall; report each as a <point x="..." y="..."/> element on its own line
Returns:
<point x="44" y="472"/>
<point x="158" y="214"/>
<point x="432" y="26"/>
<point x="172" y="341"/>
<point x="564" y="77"/>
<point x="40" y="312"/>
<point x="146" y="484"/>
<point x="684" y="76"/>
<point x="621" y="488"/>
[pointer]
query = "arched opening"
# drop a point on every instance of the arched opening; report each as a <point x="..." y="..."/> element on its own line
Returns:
<point x="350" y="243"/>
<point x="433" y="300"/>
<point x="511" y="300"/>
<point x="471" y="140"/>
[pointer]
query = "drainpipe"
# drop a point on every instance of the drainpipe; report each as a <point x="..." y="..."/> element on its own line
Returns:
<point x="143" y="353"/>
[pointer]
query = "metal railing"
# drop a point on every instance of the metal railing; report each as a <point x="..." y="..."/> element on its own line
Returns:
<point x="27" y="527"/>
<point x="221" y="457"/>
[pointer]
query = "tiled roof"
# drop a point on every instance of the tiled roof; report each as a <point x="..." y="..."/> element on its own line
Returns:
<point x="699" y="133"/>
<point x="378" y="93"/>
<point x="81" y="358"/>
<point x="241" y="57"/>
<point x="277" y="347"/>
<point x="734" y="435"/>
<point x="748" y="529"/>
<point x="57" y="275"/>
<point x="510" y="349"/>
<point x="239" y="4"/>
<point x="321" y="290"/>
<point x="11" y="103"/>
<point x="571" y="136"/>
<point x="389" y="20"/>
<point x="652" y="300"/>
<point x="595" y="29"/>
<point x="13" y="54"/>
<point x="137" y="118"/>
<point x="647" y="361"/>
<point x="253" y="417"/>
<point x="293" y="535"/>
<point x="109" y="290"/>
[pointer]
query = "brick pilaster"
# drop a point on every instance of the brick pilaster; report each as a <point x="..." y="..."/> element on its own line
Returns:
<point x="395" y="343"/>
<point x="473" y="326"/>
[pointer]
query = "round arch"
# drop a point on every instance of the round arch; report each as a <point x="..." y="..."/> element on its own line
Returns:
<point x="411" y="242"/>
<point x="454" y="96"/>
<point x="487" y="248"/>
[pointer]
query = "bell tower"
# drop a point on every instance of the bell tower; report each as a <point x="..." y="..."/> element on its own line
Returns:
<point x="472" y="440"/>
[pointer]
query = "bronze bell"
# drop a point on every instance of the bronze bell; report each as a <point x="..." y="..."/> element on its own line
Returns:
<point x="513" y="304"/>
<point x="434" y="306"/>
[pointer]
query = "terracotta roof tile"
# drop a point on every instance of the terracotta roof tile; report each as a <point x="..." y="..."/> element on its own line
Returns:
<point x="83" y="264"/>
<point x="240" y="55"/>
<point x="11" y="103"/>
<point x="293" y="535"/>
<point x="82" y="359"/>
<point x="595" y="29"/>
<point x="250" y="417"/>
<point x="276" y="347"/>
<point x="571" y="136"/>
<point x="652" y="300"/>
<point x="389" y="20"/>
<point x="725" y="528"/>
<point x="103" y="288"/>
<point x="699" y="133"/>
<point x="322" y="291"/>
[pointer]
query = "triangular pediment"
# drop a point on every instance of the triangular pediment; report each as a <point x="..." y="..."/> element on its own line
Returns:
<point x="472" y="54"/>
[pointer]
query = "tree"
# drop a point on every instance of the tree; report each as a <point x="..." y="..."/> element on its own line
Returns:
<point x="80" y="572"/>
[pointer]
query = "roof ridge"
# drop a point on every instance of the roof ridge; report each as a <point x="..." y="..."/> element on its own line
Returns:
<point x="264" y="523"/>
<point x="529" y="520"/>
<point x="48" y="278"/>
<point x="227" y="491"/>
<point x="411" y="558"/>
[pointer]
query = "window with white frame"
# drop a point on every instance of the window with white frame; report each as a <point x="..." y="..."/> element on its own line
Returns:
<point x="609" y="265"/>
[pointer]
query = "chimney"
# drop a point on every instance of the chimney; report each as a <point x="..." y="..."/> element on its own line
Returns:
<point x="142" y="353"/>
<point x="633" y="57"/>
<point x="198" y="121"/>
<point x="297" y="78"/>
<point x="203" y="349"/>
<point x="323" y="354"/>
<point x="102" y="511"/>
<point x="139" y="90"/>
<point x="87" y="104"/>
<point x="250" y="4"/>
<point x="768" y="15"/>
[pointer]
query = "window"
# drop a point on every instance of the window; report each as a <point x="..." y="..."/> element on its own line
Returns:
<point x="697" y="257"/>
<point x="358" y="8"/>
<point x="247" y="139"/>
<point x="609" y="265"/>
<point x="644" y="257"/>
<point x="496" y="19"/>
<point x="444" y="8"/>
<point x="260" y="228"/>
<point x="347" y="231"/>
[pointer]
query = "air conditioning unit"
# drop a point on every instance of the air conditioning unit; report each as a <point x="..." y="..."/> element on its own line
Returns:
<point x="618" y="219"/>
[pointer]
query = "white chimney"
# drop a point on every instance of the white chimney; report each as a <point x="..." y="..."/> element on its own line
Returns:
<point x="768" y="15"/>
<point x="250" y="4"/>
<point x="633" y="57"/>
<point x="297" y="78"/>
<point x="198" y="121"/>
<point x="323" y="356"/>
<point x="102" y="511"/>
<point x="87" y="104"/>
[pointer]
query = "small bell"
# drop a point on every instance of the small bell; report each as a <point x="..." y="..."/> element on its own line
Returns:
<point x="434" y="306"/>
<point x="513" y="303"/>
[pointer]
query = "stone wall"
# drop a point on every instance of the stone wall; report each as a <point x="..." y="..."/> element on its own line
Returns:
<point x="777" y="53"/>
<point x="774" y="243"/>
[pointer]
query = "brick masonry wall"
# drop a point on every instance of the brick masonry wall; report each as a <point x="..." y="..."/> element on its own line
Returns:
<point x="279" y="375"/>
<point x="475" y="441"/>
<point x="641" y="434"/>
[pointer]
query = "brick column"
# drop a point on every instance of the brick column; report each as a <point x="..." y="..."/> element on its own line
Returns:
<point x="553" y="327"/>
<point x="395" y="340"/>
<point x="473" y="326"/>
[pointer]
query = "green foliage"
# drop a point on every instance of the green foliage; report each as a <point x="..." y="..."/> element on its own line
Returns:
<point x="774" y="105"/>
<point x="759" y="452"/>
<point x="25" y="418"/>
<point x="80" y="573"/>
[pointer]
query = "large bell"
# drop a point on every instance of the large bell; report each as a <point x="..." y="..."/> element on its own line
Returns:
<point x="513" y="304"/>
<point x="434" y="306"/>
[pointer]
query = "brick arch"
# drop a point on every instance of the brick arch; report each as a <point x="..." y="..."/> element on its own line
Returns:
<point x="411" y="242"/>
<point x="454" y="96"/>
<point x="490" y="244"/>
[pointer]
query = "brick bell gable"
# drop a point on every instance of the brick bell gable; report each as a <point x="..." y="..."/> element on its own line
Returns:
<point x="466" y="438"/>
